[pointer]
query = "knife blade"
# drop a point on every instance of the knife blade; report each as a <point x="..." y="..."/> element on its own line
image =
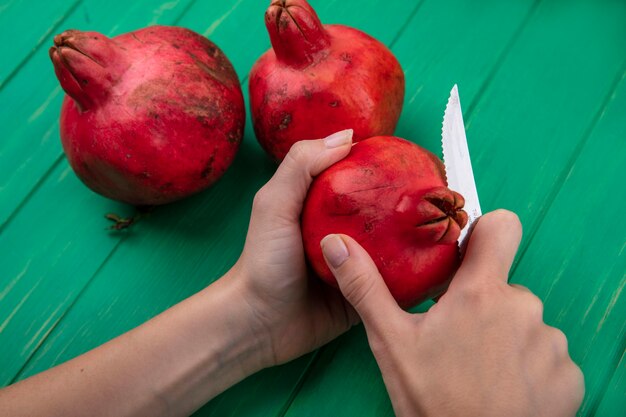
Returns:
<point x="456" y="159"/>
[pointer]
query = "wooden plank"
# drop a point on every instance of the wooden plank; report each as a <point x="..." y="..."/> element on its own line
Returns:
<point x="458" y="43"/>
<point x="46" y="263"/>
<point x="41" y="22"/>
<point x="215" y="216"/>
<point x="614" y="401"/>
<point x="538" y="108"/>
<point x="576" y="260"/>
<point x="526" y="123"/>
<point x="336" y="385"/>
<point x="31" y="146"/>
<point x="7" y="5"/>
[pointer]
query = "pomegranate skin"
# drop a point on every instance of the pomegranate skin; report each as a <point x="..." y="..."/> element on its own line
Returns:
<point x="150" y="116"/>
<point x="391" y="196"/>
<point x="319" y="79"/>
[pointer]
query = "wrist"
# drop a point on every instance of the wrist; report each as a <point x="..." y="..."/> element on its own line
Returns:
<point x="205" y="344"/>
<point x="247" y="318"/>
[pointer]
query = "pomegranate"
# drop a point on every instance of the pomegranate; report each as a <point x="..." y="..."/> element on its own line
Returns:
<point x="150" y="116"/>
<point x="319" y="79"/>
<point x="391" y="196"/>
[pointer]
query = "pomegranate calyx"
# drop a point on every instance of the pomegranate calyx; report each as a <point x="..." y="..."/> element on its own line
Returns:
<point x="67" y="40"/>
<point x="296" y="32"/>
<point x="88" y="65"/>
<point x="441" y="215"/>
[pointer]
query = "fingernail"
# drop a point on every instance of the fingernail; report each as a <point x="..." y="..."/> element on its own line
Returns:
<point x="334" y="250"/>
<point x="340" y="138"/>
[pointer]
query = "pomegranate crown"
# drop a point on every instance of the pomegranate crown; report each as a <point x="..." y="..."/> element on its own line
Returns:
<point x="296" y="33"/>
<point x="87" y="65"/>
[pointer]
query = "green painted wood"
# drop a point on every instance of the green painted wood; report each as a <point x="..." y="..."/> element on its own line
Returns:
<point x="576" y="262"/>
<point x="255" y="165"/>
<point x="614" y="402"/>
<point x="456" y="44"/>
<point x="526" y="125"/>
<point x="344" y="381"/>
<point x="7" y="5"/>
<point x="66" y="285"/>
<point x="40" y="278"/>
<point x="23" y="43"/>
<point x="31" y="146"/>
<point x="32" y="129"/>
<point x="44" y="276"/>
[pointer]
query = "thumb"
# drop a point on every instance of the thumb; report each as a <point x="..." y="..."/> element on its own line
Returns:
<point x="285" y="192"/>
<point x="359" y="281"/>
<point x="491" y="249"/>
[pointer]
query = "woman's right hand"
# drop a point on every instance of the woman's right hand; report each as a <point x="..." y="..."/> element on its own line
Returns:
<point x="482" y="350"/>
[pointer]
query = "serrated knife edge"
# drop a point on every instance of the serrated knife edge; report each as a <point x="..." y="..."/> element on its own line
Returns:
<point x="456" y="159"/>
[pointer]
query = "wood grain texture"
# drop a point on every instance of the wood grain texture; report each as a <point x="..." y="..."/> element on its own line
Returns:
<point x="614" y="401"/>
<point x="576" y="262"/>
<point x="42" y="277"/>
<point x="543" y="90"/>
<point x="171" y="238"/>
<point x="21" y="44"/>
<point x="527" y="123"/>
<point x="31" y="149"/>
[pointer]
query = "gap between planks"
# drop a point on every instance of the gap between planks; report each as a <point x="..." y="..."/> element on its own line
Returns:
<point x="498" y="63"/>
<point x="17" y="375"/>
<point x="32" y="192"/>
<point x="61" y="156"/>
<point x="596" y="404"/>
<point x="554" y="192"/>
<point x="39" y="43"/>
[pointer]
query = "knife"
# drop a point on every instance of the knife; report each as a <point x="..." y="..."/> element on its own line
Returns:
<point x="456" y="159"/>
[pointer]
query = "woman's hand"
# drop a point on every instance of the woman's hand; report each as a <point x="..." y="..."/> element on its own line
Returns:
<point x="482" y="350"/>
<point x="295" y="312"/>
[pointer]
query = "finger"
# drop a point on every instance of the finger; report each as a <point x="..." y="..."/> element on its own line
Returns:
<point x="491" y="249"/>
<point x="521" y="288"/>
<point x="286" y="190"/>
<point x="360" y="282"/>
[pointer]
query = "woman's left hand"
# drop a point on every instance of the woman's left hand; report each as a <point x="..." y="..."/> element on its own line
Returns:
<point x="296" y="312"/>
<point x="266" y="310"/>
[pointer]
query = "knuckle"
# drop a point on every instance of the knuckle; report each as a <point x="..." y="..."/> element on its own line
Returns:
<point x="358" y="287"/>
<point x="535" y="305"/>
<point x="531" y="304"/>
<point x="477" y="294"/>
<point x="378" y="345"/>
<point x="297" y="154"/>
<point x="262" y="198"/>
<point x="559" y="340"/>
<point x="576" y="380"/>
<point x="384" y="340"/>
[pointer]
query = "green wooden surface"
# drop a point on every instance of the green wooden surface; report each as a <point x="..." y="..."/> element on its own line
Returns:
<point x="544" y="91"/>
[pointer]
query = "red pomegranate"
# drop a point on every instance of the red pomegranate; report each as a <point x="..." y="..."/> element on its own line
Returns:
<point x="150" y="116"/>
<point x="391" y="196"/>
<point x="319" y="79"/>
